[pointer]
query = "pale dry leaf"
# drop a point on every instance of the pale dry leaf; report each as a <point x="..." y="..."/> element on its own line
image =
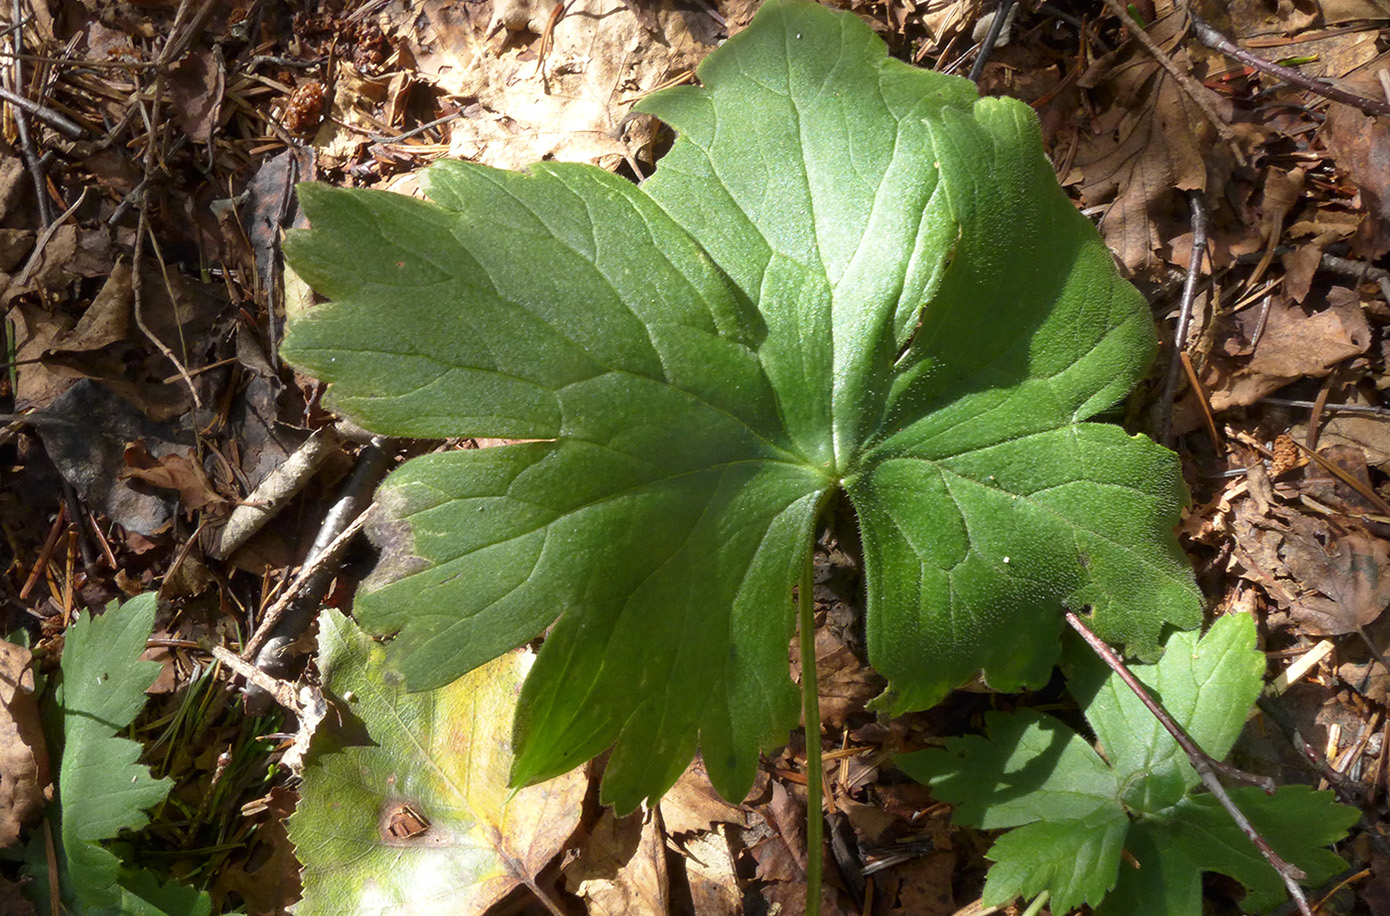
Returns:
<point x="622" y="869"/>
<point x="710" y="874"/>
<point x="568" y="106"/>
<point x="24" y="776"/>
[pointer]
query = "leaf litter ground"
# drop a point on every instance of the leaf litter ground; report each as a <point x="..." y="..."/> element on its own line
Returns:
<point x="156" y="401"/>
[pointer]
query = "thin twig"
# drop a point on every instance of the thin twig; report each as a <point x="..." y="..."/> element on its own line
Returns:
<point x="59" y="122"/>
<point x="315" y="564"/>
<point x="1218" y="42"/>
<point x="1370" y="410"/>
<point x="32" y="160"/>
<point x="36" y="256"/>
<point x="1189" y="293"/>
<point x="1195" y="90"/>
<point x="1201" y="762"/>
<point x="416" y="131"/>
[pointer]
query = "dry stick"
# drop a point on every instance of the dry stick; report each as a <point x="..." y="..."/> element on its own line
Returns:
<point x="1358" y="270"/>
<point x="296" y="609"/>
<point x="1369" y="410"/>
<point x="26" y="142"/>
<point x="59" y="122"/>
<point x="1195" y="90"/>
<point x="996" y="28"/>
<point x="1200" y="762"/>
<point x="1189" y="293"/>
<point x="315" y="564"/>
<point x="1218" y="42"/>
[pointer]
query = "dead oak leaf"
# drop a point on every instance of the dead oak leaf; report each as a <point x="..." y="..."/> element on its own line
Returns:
<point x="1152" y="142"/>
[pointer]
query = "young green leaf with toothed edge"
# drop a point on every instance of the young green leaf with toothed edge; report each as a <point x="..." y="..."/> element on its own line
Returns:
<point x="102" y="787"/>
<point x="1073" y="813"/>
<point x="847" y="276"/>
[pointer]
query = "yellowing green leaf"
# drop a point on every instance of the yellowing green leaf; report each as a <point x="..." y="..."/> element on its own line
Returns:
<point x="413" y="814"/>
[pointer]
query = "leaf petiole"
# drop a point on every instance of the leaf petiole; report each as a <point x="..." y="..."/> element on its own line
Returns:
<point x="810" y="706"/>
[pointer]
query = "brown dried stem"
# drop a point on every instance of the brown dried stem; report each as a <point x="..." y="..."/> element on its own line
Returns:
<point x="1218" y="42"/>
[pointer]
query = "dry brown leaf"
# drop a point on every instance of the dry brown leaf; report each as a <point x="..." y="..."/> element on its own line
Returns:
<point x="24" y="776"/>
<point x="1360" y="145"/>
<point x="622" y="868"/>
<point x="1151" y="142"/>
<point x="711" y="876"/>
<point x="1339" y="11"/>
<point x="1351" y="568"/>
<point x="692" y="805"/>
<point x="569" y="106"/>
<point x="196" y="84"/>
<point x="171" y="471"/>
<point x="845" y="684"/>
<point x="268" y="886"/>
<point x="920" y="886"/>
<point x="1292" y="345"/>
<point x="1369" y="435"/>
<point x="12" y="899"/>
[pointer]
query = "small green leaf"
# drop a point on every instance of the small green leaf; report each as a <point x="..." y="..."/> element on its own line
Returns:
<point x="102" y="788"/>
<point x="1073" y="859"/>
<point x="848" y="277"/>
<point x="1030" y="768"/>
<point x="414" y="815"/>
<point x="1172" y="852"/>
<point x="1074" y="812"/>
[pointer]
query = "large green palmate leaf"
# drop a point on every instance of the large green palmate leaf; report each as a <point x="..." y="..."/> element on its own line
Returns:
<point x="847" y="276"/>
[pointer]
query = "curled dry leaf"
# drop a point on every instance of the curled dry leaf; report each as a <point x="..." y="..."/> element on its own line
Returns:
<point x="24" y="776"/>
<point x="172" y="471"/>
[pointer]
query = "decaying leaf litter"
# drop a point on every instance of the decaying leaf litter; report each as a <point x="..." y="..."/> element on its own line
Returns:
<point x="138" y="284"/>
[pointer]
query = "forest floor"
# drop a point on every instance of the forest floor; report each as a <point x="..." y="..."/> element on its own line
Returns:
<point x="147" y="175"/>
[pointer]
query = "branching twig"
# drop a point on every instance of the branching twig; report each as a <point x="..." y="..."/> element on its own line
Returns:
<point x="1218" y="42"/>
<point x="1203" y="764"/>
